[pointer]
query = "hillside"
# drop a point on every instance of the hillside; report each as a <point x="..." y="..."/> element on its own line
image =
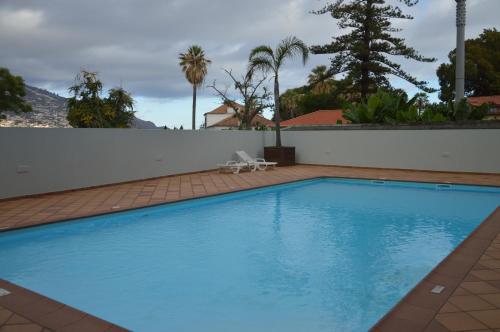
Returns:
<point x="49" y="111"/>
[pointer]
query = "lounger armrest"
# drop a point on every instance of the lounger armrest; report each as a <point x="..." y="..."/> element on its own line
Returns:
<point x="260" y="160"/>
<point x="228" y="163"/>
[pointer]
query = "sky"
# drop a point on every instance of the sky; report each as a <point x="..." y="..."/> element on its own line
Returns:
<point x="136" y="43"/>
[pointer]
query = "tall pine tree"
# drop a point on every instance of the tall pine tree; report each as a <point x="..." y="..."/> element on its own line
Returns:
<point x="367" y="50"/>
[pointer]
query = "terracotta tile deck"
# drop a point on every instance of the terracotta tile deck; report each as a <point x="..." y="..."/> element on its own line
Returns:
<point x="471" y="274"/>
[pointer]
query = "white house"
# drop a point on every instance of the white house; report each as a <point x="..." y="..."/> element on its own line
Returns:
<point x="223" y="117"/>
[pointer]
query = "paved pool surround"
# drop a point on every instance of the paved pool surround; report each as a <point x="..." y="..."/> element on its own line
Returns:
<point x="470" y="274"/>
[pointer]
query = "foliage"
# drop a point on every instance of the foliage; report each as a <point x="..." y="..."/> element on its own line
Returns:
<point x="321" y="93"/>
<point x="314" y="102"/>
<point x="393" y="108"/>
<point x="86" y="108"/>
<point x="421" y="101"/>
<point x="290" y="102"/>
<point x="364" y="52"/>
<point x="266" y="59"/>
<point x="261" y="127"/>
<point x="482" y="67"/>
<point x="465" y="111"/>
<point x="254" y="95"/>
<point x="303" y="100"/>
<point x="436" y="112"/>
<point x="12" y="91"/>
<point x="383" y="107"/>
<point x="122" y="104"/>
<point x="321" y="80"/>
<point x="194" y="65"/>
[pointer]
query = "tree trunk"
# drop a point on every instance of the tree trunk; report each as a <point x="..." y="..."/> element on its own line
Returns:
<point x="277" y="110"/>
<point x="246" y="119"/>
<point x="194" y="108"/>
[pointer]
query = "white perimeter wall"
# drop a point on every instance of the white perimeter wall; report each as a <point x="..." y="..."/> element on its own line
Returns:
<point x="457" y="150"/>
<point x="36" y="161"/>
<point x="62" y="159"/>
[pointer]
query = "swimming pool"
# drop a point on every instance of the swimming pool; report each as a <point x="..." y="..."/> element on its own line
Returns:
<point x="319" y="255"/>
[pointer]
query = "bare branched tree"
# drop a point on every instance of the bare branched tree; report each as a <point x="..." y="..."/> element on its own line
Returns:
<point x="254" y="95"/>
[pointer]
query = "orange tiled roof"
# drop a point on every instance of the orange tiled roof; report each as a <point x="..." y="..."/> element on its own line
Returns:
<point x="321" y="117"/>
<point x="478" y="101"/>
<point x="222" y="109"/>
<point x="234" y="122"/>
<point x="492" y="100"/>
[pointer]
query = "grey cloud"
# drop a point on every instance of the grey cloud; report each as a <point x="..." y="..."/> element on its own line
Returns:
<point x="136" y="43"/>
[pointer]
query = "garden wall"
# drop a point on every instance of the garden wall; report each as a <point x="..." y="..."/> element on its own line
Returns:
<point x="457" y="150"/>
<point x="46" y="160"/>
<point x="34" y="161"/>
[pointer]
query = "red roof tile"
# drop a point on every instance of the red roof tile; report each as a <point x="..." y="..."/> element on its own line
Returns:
<point x="234" y="122"/>
<point x="321" y="117"/>
<point x="222" y="109"/>
<point x="478" y="101"/>
<point x="491" y="100"/>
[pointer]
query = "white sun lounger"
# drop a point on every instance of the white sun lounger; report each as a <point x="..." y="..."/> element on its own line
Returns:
<point x="260" y="163"/>
<point x="235" y="166"/>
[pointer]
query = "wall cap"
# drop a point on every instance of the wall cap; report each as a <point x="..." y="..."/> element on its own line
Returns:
<point x="493" y="124"/>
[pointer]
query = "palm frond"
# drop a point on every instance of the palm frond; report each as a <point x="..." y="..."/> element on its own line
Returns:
<point x="262" y="50"/>
<point x="291" y="47"/>
<point x="262" y="63"/>
<point x="262" y="58"/>
<point x="194" y="64"/>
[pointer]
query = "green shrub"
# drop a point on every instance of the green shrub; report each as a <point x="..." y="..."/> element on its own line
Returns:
<point x="393" y="108"/>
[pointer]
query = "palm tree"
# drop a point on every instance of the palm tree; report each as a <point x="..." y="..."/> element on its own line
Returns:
<point x="269" y="60"/>
<point x="195" y="66"/>
<point x="290" y="102"/>
<point x="320" y="79"/>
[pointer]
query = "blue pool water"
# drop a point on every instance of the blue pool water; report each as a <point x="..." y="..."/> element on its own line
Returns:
<point x="320" y="255"/>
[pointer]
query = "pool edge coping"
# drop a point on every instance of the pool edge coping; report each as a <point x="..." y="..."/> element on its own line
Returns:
<point x="49" y="313"/>
<point x="420" y="295"/>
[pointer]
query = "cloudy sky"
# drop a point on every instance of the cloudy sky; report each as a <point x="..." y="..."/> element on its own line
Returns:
<point x="135" y="43"/>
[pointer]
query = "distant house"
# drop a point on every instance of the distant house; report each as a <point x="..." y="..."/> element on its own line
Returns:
<point x="318" y="118"/>
<point x="493" y="101"/>
<point x="224" y="117"/>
